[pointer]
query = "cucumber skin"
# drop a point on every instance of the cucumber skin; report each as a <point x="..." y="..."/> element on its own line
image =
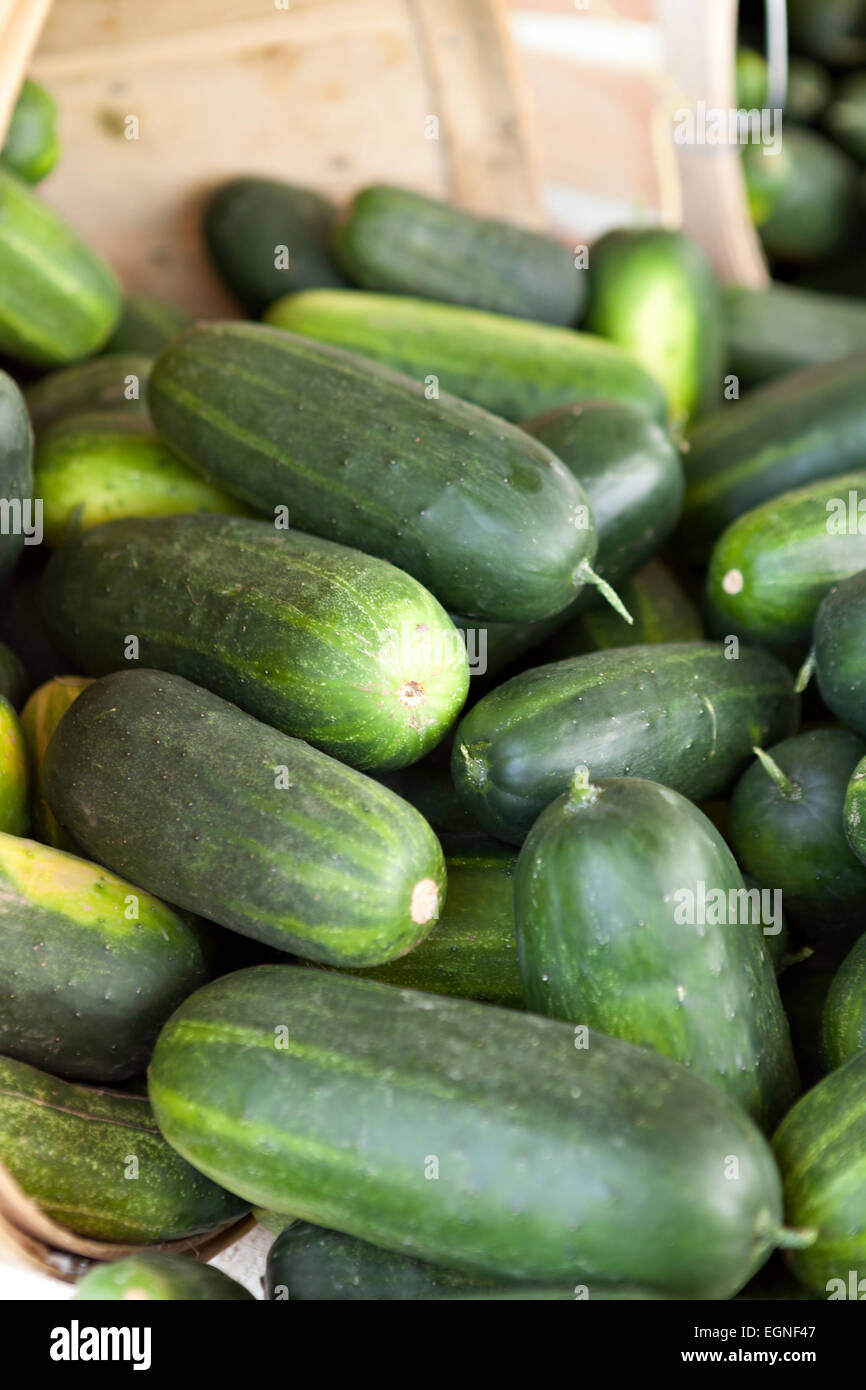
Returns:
<point x="13" y="677"/>
<point x="269" y="620"/>
<point x="676" y="713"/>
<point x="146" y="325"/>
<point x="805" y="199"/>
<point x="157" y="1276"/>
<point x="787" y="560"/>
<point x="31" y="148"/>
<point x="661" y="609"/>
<point x="401" y="242"/>
<point x="844" y="1018"/>
<point x="599" y="942"/>
<point x="377" y="1080"/>
<point x="786" y="328"/>
<point x="334" y="867"/>
<point x="820" y="1150"/>
<point x="100" y="384"/>
<point x="804" y="989"/>
<point x="511" y="367"/>
<point x="40" y="716"/>
<point x="787" y="434"/>
<point x="14" y="773"/>
<point x="16" y="465"/>
<point x="69" y="1147"/>
<point x="486" y="518"/>
<point x="840" y="638"/>
<point x="46" y="320"/>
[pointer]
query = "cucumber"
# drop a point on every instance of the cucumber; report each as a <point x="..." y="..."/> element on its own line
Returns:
<point x="496" y="647"/>
<point x="844" y="1018"/>
<point x="752" y="77"/>
<point x="833" y="31"/>
<point x="786" y="828"/>
<point x="32" y="148"/>
<point x="846" y="118"/>
<point x="771" y="568"/>
<point x="40" y="716"/>
<point x="809" y="86"/>
<point x="509" y="366"/>
<point x="804" y="197"/>
<point x="14" y="773"/>
<point x="840" y="635"/>
<point x="677" y="713"/>
<point x="804" y="989"/>
<point x="58" y="300"/>
<point x="100" y="467"/>
<point x="773" y="922"/>
<point x="95" y="1162"/>
<point x="146" y="325"/>
<point x="399" y="241"/>
<point x="555" y="1164"/>
<point x="310" y="856"/>
<point x="107" y="383"/>
<point x="20" y="516"/>
<point x="821" y="1150"/>
<point x="632" y="918"/>
<point x="429" y="787"/>
<point x="268" y="238"/>
<point x="786" y="329"/>
<point x="485" y="517"/>
<point x="632" y="475"/>
<point x="13" y="677"/>
<point x="156" y="1276"/>
<point x="22" y="628"/>
<point x="318" y="640"/>
<point x="92" y="967"/>
<point x="653" y="293"/>
<point x="660" y="608"/>
<point x="785" y="435"/>
<point x="470" y="953"/>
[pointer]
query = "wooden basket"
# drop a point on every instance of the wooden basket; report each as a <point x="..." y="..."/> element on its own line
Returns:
<point x="546" y="112"/>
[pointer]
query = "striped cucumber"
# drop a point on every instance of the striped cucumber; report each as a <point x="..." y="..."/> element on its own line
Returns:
<point x="146" y="325"/>
<point x="105" y="383"/>
<point x="844" y="1018"/>
<point x="785" y="328"/>
<point x="840" y="638"/>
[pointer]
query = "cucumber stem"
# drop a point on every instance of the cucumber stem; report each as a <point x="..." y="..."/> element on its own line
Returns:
<point x="807" y="670"/>
<point x="788" y="789"/>
<point x="786" y="1237"/>
<point x="585" y="574"/>
<point x="581" y="791"/>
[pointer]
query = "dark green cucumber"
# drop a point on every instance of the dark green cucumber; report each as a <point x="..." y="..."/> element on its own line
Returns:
<point x="785" y="435"/>
<point x="509" y="366"/>
<point x="653" y="293"/>
<point x="96" y="1163"/>
<point x="91" y="966"/>
<point x="22" y="628"/>
<point x="472" y="1136"/>
<point x="146" y="325"/>
<point x="13" y="677"/>
<point x="14" y="773"/>
<point x="268" y="239"/>
<point x="804" y="196"/>
<point x="320" y="641"/>
<point x="632" y="918"/>
<point x="677" y="713"/>
<point x="470" y="953"/>
<point x="773" y="923"/>
<point x="20" y="516"/>
<point x="820" y="1147"/>
<point x="39" y="718"/>
<point x="96" y="468"/>
<point x="787" y="329"/>
<point x="486" y="518"/>
<point x="840" y="641"/>
<point x="786" y="828"/>
<point x="31" y="148"/>
<point x="429" y="787"/>
<point x="844" y="1019"/>
<point x="804" y="989"/>
<point x="198" y="802"/>
<point x="662" y="612"/>
<point x="58" y="300"/>
<point x="771" y="568"/>
<point x="399" y="241"/>
<point x="106" y="383"/>
<point x="632" y="475"/>
<point x="833" y="31"/>
<point x="155" y="1276"/>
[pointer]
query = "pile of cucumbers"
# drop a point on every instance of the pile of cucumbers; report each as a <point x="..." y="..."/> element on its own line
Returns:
<point x="432" y="764"/>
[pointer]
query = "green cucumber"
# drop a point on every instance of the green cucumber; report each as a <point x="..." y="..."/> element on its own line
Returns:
<point x="846" y="118"/>
<point x="14" y="773"/>
<point x="511" y="367"/>
<point x="840" y="637"/>
<point x="804" y="989"/>
<point x="320" y="641"/>
<point x="632" y="475"/>
<point x="429" y="787"/>
<point x="470" y="953"/>
<point x="809" y="86"/>
<point x="821" y="1151"/>
<point x="198" y="802"/>
<point x="773" y="923"/>
<point x="833" y="31"/>
<point x="804" y="196"/>
<point x="486" y="518"/>
<point x="22" y="627"/>
<point x="40" y="716"/>
<point x="20" y="516"/>
<point x="632" y="918"/>
<point x="678" y="713"/>
<point x="155" y="1276"/>
<point x="771" y="568"/>
<point x="653" y="293"/>
<point x="395" y="240"/>
<point x="95" y="1162"/>
<point x="552" y="1162"/>
<point x="146" y="325"/>
<point x="752" y="77"/>
<point x="661" y="612"/>
<point x="106" y="383"/>
<point x="13" y="677"/>
<point x="31" y="148"/>
<point x="786" y="828"/>
<point x="786" y="328"/>
<point x="785" y="435"/>
<point x="268" y="239"/>
<point x="92" y="967"/>
<point x="58" y="300"/>
<point x="844" y="1018"/>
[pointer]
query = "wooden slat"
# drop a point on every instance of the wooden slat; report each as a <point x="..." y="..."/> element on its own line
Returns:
<point x="21" y="22"/>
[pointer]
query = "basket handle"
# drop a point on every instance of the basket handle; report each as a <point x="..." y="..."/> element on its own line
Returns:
<point x="21" y="23"/>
